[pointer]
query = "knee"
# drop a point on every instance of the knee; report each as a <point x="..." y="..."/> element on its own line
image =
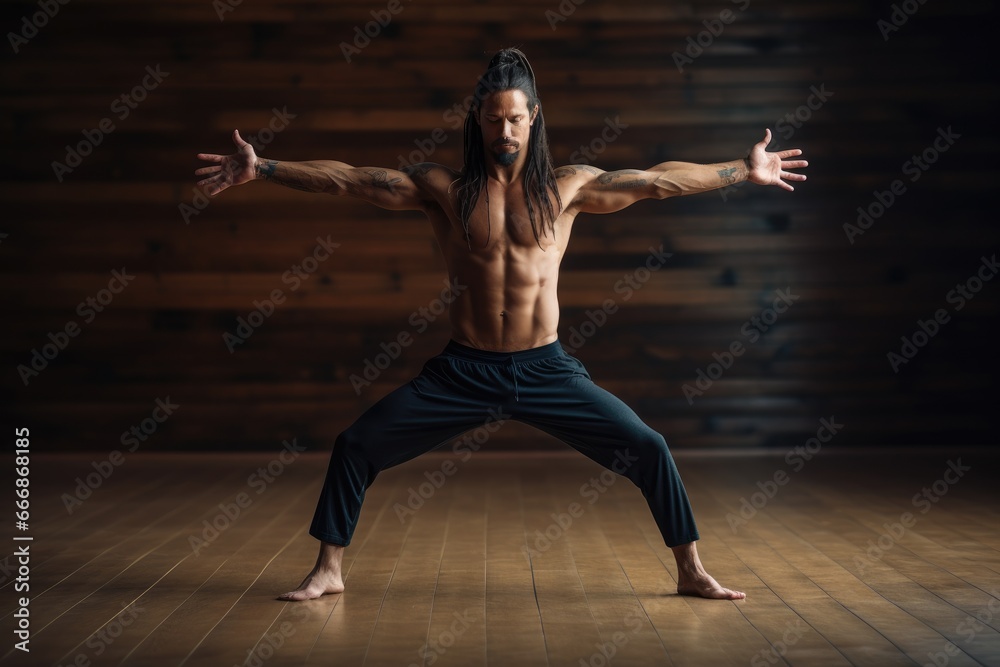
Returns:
<point x="353" y="445"/>
<point x="645" y="452"/>
<point x="652" y="445"/>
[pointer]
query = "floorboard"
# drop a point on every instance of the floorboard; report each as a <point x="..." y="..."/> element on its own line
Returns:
<point x="512" y="559"/>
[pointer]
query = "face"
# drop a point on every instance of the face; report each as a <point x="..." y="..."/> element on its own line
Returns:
<point x="506" y="124"/>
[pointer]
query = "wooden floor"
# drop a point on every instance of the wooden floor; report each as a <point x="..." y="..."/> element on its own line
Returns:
<point x="483" y="574"/>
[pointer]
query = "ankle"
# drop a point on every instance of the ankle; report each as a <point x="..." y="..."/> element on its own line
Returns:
<point x="330" y="556"/>
<point x="688" y="562"/>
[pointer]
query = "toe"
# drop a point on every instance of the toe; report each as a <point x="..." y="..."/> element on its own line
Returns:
<point x="294" y="596"/>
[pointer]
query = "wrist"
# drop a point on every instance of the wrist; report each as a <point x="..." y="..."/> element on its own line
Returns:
<point x="263" y="169"/>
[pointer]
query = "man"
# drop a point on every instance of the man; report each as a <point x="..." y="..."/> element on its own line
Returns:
<point x="503" y="224"/>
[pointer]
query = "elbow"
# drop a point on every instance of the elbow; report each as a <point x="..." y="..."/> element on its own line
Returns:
<point x="332" y="185"/>
<point x="667" y="190"/>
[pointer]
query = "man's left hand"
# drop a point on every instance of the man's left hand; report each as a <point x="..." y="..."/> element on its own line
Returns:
<point x="771" y="168"/>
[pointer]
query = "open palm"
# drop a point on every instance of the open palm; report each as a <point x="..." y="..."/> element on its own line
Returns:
<point x="770" y="168"/>
<point x="228" y="170"/>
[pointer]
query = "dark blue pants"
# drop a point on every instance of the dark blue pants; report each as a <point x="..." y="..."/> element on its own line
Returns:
<point x="464" y="388"/>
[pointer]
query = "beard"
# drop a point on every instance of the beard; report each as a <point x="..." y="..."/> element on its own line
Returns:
<point x="503" y="158"/>
<point x="506" y="159"/>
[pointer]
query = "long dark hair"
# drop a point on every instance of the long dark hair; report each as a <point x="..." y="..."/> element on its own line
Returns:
<point x="509" y="70"/>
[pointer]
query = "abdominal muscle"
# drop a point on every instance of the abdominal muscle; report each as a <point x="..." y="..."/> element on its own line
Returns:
<point x="509" y="299"/>
<point x="506" y="307"/>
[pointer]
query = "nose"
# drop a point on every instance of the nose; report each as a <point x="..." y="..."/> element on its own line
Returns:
<point x="508" y="129"/>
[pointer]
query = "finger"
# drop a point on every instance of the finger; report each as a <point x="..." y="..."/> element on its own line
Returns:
<point x="794" y="164"/>
<point x="238" y="140"/>
<point x="790" y="153"/>
<point x="208" y="170"/>
<point x="210" y="156"/>
<point x="793" y="177"/>
<point x="767" y="136"/>
<point x="786" y="186"/>
<point x="209" y="183"/>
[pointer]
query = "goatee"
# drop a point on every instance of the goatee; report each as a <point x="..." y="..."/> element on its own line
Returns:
<point x="506" y="159"/>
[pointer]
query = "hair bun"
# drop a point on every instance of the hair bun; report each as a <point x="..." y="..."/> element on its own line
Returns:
<point x="513" y="57"/>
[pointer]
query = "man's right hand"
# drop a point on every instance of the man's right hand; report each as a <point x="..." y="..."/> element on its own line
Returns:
<point x="228" y="170"/>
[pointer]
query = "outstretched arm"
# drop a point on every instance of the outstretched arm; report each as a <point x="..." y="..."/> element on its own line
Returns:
<point x="387" y="188"/>
<point x="606" y="192"/>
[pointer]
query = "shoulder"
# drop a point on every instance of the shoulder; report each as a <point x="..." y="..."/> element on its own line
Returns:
<point x="432" y="178"/>
<point x="578" y="172"/>
<point x="429" y="171"/>
<point x="573" y="181"/>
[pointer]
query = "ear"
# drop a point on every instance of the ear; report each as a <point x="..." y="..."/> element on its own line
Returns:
<point x="534" y="115"/>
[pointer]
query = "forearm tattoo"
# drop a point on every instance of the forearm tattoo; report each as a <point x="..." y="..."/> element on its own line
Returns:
<point x="265" y="169"/>
<point x="728" y="175"/>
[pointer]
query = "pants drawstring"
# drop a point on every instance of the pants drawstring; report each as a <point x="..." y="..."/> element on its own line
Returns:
<point x="513" y="365"/>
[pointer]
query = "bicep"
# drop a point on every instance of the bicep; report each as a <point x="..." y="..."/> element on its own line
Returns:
<point x="614" y="190"/>
<point x="387" y="188"/>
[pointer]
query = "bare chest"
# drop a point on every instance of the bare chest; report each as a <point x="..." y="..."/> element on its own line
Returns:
<point x="503" y="221"/>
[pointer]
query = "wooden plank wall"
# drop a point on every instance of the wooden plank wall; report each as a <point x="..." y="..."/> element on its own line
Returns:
<point x="598" y="63"/>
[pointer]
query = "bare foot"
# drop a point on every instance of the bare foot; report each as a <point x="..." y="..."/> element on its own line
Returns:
<point x="319" y="582"/>
<point x="708" y="587"/>
<point x="325" y="577"/>
<point x="692" y="579"/>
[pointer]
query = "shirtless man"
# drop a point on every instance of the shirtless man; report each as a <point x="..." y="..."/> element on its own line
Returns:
<point x="504" y="353"/>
